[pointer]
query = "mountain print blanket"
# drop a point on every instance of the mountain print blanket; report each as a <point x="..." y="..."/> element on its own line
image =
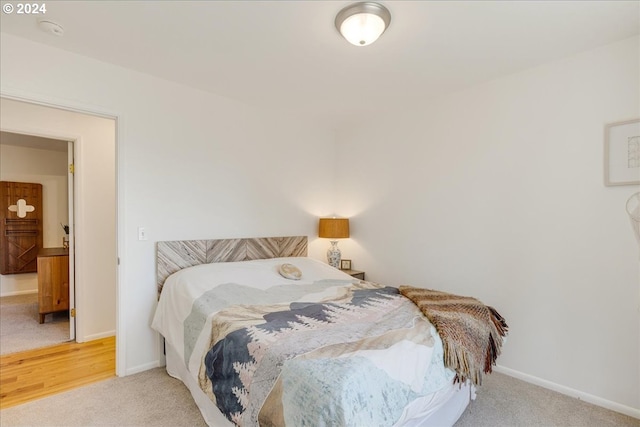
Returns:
<point x="286" y="364"/>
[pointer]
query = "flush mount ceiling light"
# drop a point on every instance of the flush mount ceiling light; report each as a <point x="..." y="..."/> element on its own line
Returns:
<point x="362" y="23"/>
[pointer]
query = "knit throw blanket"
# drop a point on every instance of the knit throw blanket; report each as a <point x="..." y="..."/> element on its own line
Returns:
<point x="471" y="332"/>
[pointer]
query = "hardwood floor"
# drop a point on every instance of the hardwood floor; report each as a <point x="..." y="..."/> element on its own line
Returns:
<point x="34" y="374"/>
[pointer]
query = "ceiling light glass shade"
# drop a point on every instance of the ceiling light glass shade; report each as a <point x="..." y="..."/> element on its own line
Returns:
<point x="362" y="29"/>
<point x="362" y="23"/>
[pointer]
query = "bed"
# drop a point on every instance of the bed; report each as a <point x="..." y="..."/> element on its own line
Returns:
<point x="263" y="335"/>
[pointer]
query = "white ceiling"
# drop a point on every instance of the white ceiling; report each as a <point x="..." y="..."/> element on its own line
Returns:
<point x="287" y="55"/>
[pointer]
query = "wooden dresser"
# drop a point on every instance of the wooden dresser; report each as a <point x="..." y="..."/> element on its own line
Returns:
<point x="53" y="281"/>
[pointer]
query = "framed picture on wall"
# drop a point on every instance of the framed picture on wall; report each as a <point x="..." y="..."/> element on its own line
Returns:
<point x="622" y="153"/>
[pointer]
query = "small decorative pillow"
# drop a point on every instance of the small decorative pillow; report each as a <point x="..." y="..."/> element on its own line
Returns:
<point x="290" y="271"/>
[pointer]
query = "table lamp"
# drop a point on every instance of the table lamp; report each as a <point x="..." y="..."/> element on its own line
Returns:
<point x="334" y="228"/>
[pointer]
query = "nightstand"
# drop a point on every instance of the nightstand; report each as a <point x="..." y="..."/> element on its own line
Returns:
<point x="355" y="273"/>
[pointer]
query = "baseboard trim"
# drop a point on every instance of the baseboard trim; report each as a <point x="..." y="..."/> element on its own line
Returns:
<point x="598" y="401"/>
<point x="142" y="368"/>
<point x="14" y="293"/>
<point x="97" y="336"/>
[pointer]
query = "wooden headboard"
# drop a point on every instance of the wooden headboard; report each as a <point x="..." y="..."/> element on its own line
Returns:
<point x="178" y="254"/>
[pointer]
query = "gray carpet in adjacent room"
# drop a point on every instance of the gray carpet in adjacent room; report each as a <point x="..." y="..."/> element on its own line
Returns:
<point x="20" y="329"/>
<point x="152" y="398"/>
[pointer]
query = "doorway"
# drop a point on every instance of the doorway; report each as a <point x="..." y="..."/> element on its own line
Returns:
<point x="24" y="324"/>
<point x="94" y="207"/>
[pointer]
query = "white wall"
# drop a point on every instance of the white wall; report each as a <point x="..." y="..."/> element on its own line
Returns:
<point x="49" y="168"/>
<point x="497" y="192"/>
<point x="190" y="165"/>
<point x="94" y="199"/>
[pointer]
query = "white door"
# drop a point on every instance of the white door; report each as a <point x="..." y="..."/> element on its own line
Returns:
<point x="72" y="286"/>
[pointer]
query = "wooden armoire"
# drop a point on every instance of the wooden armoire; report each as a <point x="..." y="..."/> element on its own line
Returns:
<point x="20" y="226"/>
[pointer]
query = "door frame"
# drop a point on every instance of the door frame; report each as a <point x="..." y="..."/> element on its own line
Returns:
<point x="34" y="130"/>
<point x="71" y="177"/>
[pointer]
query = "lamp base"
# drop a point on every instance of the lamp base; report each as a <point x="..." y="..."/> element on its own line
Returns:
<point x="334" y="255"/>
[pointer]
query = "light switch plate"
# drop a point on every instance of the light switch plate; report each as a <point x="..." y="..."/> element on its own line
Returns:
<point x="142" y="233"/>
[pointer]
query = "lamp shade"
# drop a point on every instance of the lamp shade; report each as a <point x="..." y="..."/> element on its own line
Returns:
<point x="333" y="228"/>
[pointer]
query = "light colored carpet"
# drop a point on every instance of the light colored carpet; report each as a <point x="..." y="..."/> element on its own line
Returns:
<point x="152" y="398"/>
<point x="506" y="401"/>
<point x="19" y="327"/>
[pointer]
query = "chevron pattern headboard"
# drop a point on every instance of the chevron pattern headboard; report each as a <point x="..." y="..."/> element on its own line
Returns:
<point x="176" y="255"/>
